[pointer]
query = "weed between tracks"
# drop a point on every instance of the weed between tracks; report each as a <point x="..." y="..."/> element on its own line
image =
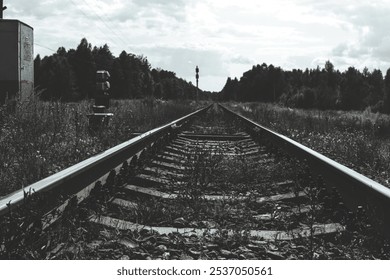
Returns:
<point x="206" y="173"/>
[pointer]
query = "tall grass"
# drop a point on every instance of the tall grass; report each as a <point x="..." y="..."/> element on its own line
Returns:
<point x="356" y="139"/>
<point x="39" y="138"/>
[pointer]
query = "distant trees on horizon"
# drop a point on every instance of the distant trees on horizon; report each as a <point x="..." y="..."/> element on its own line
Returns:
<point x="325" y="88"/>
<point x="70" y="75"/>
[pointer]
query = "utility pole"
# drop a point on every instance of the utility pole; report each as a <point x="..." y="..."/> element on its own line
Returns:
<point x="2" y="8"/>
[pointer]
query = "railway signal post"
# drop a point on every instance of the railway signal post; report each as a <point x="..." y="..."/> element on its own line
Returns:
<point x="102" y="98"/>
<point x="100" y="117"/>
<point x="197" y="81"/>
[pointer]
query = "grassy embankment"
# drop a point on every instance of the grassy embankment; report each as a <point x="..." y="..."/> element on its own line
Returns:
<point x="41" y="138"/>
<point x="358" y="140"/>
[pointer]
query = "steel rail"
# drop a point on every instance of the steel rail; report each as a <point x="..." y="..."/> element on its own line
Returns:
<point x="355" y="188"/>
<point x="72" y="179"/>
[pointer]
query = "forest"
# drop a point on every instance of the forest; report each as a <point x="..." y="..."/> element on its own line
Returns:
<point x="69" y="75"/>
<point x="325" y="88"/>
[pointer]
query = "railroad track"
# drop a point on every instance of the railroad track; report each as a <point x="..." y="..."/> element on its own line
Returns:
<point x="212" y="185"/>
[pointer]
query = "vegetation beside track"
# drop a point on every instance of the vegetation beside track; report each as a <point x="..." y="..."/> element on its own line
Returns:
<point x="41" y="138"/>
<point x="358" y="140"/>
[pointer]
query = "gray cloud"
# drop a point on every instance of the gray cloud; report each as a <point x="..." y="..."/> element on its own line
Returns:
<point x="340" y="50"/>
<point x="351" y="50"/>
<point x="183" y="60"/>
<point x="42" y="10"/>
<point x="383" y="49"/>
<point x="369" y="19"/>
<point x="163" y="4"/>
<point x="140" y="9"/>
<point x="241" y="60"/>
<point x="296" y="61"/>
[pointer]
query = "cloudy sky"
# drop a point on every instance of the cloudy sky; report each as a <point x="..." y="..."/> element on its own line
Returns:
<point x="224" y="37"/>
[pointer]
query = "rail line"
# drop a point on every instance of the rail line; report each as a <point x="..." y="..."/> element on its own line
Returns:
<point x="77" y="177"/>
<point x="356" y="189"/>
<point x="210" y="185"/>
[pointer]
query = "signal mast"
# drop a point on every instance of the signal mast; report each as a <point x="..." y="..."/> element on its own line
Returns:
<point x="197" y="80"/>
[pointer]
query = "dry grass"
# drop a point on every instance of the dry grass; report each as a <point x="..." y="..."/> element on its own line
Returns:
<point x="41" y="138"/>
<point x="358" y="140"/>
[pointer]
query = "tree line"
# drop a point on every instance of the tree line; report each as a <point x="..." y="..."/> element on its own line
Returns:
<point x="325" y="88"/>
<point x="70" y="75"/>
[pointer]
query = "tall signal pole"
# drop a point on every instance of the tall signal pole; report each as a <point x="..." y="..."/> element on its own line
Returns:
<point x="2" y="8"/>
<point x="197" y="81"/>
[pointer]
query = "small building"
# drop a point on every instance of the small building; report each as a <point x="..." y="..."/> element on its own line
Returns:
<point x="16" y="60"/>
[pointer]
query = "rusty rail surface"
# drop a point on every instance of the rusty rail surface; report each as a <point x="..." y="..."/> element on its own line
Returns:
<point x="355" y="188"/>
<point x="73" y="179"/>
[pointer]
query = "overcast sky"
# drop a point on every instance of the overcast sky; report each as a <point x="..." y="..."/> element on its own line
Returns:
<point x="225" y="38"/>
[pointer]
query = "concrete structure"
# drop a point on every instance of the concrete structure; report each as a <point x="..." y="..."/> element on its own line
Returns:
<point x="16" y="60"/>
